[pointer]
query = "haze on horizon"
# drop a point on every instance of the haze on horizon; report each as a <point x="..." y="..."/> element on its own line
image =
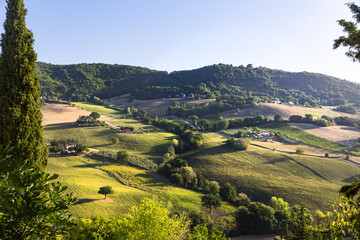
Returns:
<point x="167" y="35"/>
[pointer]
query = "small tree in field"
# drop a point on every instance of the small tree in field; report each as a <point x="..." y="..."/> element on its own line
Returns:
<point x="211" y="201"/>
<point x="300" y="151"/>
<point x="105" y="190"/>
<point x="123" y="156"/>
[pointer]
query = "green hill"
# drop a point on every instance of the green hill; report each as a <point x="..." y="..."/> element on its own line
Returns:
<point x="311" y="181"/>
<point x="80" y="82"/>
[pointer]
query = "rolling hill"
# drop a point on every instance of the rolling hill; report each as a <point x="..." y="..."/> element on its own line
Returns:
<point x="80" y="82"/>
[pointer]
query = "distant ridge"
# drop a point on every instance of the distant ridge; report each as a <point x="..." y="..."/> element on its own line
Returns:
<point x="80" y="82"/>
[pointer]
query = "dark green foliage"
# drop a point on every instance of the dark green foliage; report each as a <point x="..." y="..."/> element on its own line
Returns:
<point x="214" y="187"/>
<point x="177" y="179"/>
<point x="295" y="118"/>
<point x="240" y="144"/>
<point x="82" y="81"/>
<point x="122" y="156"/>
<point x="346" y="109"/>
<point x="201" y="232"/>
<point x="256" y="218"/>
<point x="105" y="190"/>
<point x="247" y="121"/>
<point x="211" y="201"/>
<point x="228" y="84"/>
<point x="277" y="118"/>
<point x="20" y="109"/>
<point x="199" y="218"/>
<point x="193" y="140"/>
<point x="33" y="206"/>
<point x="228" y="193"/>
<point x="95" y="115"/>
<point x="242" y="200"/>
<point x="81" y="148"/>
<point x="230" y="141"/>
<point x="298" y="224"/>
<point x="352" y="40"/>
<point x="300" y="151"/>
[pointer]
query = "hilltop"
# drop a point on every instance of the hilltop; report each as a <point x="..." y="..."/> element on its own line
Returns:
<point x="81" y="82"/>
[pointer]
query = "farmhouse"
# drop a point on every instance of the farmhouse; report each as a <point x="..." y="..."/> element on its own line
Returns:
<point x="69" y="145"/>
<point x="264" y="134"/>
<point x="127" y="131"/>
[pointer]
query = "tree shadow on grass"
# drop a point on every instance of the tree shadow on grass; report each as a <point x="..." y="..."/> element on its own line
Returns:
<point x="85" y="200"/>
<point x="92" y="165"/>
<point x="60" y="126"/>
<point x="351" y="179"/>
<point x="288" y="158"/>
<point x="222" y="149"/>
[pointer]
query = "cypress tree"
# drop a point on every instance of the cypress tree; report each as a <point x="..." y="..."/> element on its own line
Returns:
<point x="20" y="107"/>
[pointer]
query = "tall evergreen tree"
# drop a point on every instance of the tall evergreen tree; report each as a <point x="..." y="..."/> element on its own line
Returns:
<point x="20" y="108"/>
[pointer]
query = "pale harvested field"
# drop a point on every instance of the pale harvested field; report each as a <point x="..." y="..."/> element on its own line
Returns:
<point x="270" y="109"/>
<point x="55" y="113"/>
<point x="344" y="135"/>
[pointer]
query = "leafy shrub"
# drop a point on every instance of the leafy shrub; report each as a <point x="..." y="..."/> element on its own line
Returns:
<point x="300" y="150"/>
<point x="289" y="140"/>
<point x="122" y="156"/>
<point x="176" y="178"/>
<point x="241" y="144"/>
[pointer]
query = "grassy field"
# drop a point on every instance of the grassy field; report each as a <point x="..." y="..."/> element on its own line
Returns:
<point x="312" y="181"/>
<point x="103" y="110"/>
<point x="305" y="137"/>
<point x="150" y="145"/>
<point x="84" y="176"/>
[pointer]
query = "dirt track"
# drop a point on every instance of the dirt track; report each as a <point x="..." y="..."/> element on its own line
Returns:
<point x="344" y="135"/>
<point x="55" y="113"/>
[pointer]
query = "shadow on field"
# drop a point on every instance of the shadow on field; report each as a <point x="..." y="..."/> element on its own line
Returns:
<point x="222" y="149"/>
<point x="85" y="200"/>
<point x="351" y="179"/>
<point x="287" y="158"/>
<point x="60" y="126"/>
<point x="91" y="165"/>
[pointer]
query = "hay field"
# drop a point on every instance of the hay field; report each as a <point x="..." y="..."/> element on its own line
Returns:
<point x="344" y="135"/>
<point x="270" y="109"/>
<point x="55" y="113"/>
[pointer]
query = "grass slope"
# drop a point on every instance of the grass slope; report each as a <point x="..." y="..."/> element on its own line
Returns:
<point x="84" y="176"/>
<point x="150" y="145"/>
<point x="261" y="174"/>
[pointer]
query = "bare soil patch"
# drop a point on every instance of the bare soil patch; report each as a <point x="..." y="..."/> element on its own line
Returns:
<point x="344" y="135"/>
<point x="270" y="109"/>
<point x="55" y="113"/>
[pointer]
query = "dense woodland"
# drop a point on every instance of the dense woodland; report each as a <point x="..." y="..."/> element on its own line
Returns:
<point x="81" y="82"/>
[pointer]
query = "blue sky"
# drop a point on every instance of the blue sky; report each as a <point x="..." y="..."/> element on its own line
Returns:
<point x="178" y="35"/>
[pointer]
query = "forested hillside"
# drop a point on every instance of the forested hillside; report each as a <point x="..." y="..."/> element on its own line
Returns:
<point x="81" y="82"/>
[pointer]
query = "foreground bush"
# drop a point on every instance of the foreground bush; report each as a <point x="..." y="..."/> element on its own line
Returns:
<point x="149" y="220"/>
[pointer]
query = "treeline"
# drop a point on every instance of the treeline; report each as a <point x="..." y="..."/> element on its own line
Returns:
<point x="223" y="103"/>
<point x="81" y="82"/>
<point x="346" y="109"/>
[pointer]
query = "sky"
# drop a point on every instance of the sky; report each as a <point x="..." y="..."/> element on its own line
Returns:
<point x="174" y="35"/>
